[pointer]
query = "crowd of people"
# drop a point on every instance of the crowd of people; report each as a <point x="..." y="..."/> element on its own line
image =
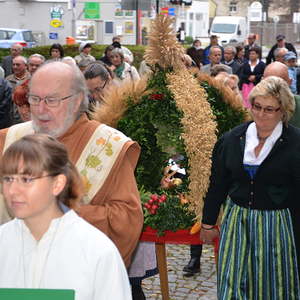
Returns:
<point x="69" y="180"/>
<point x="245" y="61"/>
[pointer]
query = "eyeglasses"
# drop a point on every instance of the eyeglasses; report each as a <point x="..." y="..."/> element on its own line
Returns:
<point x="22" y="180"/>
<point x="267" y="110"/>
<point x="50" y="101"/>
<point x="99" y="89"/>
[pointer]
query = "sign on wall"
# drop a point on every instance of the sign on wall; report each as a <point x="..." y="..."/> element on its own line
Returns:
<point x="53" y="35"/>
<point x="85" y="30"/>
<point x="91" y="10"/>
<point x="56" y="14"/>
<point x="129" y="27"/>
<point x="256" y="12"/>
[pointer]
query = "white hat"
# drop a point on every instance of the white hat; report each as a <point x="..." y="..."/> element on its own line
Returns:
<point x="84" y="45"/>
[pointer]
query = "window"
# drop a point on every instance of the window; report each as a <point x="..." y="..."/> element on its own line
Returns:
<point x="223" y="28"/>
<point x="232" y="7"/>
<point x="6" y="34"/>
<point x="199" y="16"/>
<point x="28" y="36"/>
<point x="109" y="27"/>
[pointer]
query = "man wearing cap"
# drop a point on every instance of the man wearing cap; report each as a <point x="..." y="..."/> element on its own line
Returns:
<point x="85" y="50"/>
<point x="281" y="43"/>
<point x="290" y="60"/>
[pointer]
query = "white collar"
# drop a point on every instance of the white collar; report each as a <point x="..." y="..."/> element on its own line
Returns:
<point x="65" y="218"/>
<point x="252" y="141"/>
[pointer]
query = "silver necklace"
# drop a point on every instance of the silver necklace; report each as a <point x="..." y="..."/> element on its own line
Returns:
<point x="47" y="255"/>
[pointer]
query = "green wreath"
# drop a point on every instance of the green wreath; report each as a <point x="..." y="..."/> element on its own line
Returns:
<point x="171" y="115"/>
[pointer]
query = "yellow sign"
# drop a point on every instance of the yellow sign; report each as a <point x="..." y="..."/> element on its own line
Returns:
<point x="56" y="23"/>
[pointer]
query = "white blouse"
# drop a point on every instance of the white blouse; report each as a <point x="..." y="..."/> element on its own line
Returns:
<point x="252" y="142"/>
<point x="72" y="254"/>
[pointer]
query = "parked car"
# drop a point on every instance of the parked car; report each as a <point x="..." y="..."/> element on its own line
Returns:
<point x="9" y="36"/>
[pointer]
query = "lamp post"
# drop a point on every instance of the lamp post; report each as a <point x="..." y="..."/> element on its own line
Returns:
<point x="157" y="6"/>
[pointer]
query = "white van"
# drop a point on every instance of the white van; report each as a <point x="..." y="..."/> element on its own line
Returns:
<point x="230" y="29"/>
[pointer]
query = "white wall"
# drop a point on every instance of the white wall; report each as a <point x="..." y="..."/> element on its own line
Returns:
<point x="35" y="15"/>
<point x="196" y="19"/>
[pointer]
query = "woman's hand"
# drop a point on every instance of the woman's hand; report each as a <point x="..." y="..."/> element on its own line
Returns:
<point x="251" y="78"/>
<point x="208" y="234"/>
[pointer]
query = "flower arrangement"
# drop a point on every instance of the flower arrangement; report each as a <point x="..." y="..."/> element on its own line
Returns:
<point x="166" y="211"/>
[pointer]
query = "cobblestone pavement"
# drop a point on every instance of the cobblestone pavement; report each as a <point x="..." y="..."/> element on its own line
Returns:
<point x="202" y="286"/>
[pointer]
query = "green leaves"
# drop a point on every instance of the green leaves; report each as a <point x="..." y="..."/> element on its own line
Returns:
<point x="155" y="125"/>
<point x="226" y="117"/>
<point x="171" y="214"/>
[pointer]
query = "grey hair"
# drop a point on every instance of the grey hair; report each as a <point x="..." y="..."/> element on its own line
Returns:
<point x="41" y="57"/>
<point x="78" y="86"/>
<point x="233" y="49"/>
<point x="277" y="50"/>
<point x="118" y="51"/>
<point x="278" y="88"/>
<point x="97" y="69"/>
<point x="77" y="82"/>
<point x="214" y="47"/>
<point x="22" y="57"/>
<point x="69" y="60"/>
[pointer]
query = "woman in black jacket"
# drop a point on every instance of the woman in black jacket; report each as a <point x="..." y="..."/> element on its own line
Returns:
<point x="256" y="167"/>
<point x="253" y="70"/>
<point x="251" y="74"/>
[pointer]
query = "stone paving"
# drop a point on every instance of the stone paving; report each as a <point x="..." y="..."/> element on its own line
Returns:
<point x="202" y="286"/>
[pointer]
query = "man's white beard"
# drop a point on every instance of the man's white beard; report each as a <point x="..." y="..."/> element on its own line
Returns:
<point x="57" y="132"/>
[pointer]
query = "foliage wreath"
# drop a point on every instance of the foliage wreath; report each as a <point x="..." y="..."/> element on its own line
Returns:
<point x="170" y="114"/>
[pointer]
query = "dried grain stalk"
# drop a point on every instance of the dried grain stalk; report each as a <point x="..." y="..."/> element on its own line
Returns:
<point x="199" y="134"/>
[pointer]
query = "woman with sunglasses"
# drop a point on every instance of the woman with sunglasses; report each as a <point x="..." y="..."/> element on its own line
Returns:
<point x="256" y="167"/>
<point x="47" y="245"/>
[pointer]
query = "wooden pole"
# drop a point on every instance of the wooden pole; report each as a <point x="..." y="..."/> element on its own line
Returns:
<point x="163" y="270"/>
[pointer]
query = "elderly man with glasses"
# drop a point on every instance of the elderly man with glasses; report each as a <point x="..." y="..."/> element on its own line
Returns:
<point x="105" y="157"/>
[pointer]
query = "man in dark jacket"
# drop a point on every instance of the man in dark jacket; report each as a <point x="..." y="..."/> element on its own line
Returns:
<point x="251" y="44"/>
<point x="213" y="42"/>
<point x="15" y="50"/>
<point x="5" y="103"/>
<point x="229" y="54"/>
<point x="281" y="43"/>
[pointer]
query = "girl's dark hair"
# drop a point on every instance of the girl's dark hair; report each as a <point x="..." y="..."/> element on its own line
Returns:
<point x="238" y="49"/>
<point x="98" y="69"/>
<point x="38" y="153"/>
<point x="59" y="48"/>
<point x="255" y="49"/>
<point x="108" y="48"/>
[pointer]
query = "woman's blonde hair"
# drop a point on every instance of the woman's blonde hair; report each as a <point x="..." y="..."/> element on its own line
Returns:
<point x="39" y="153"/>
<point x="279" y="89"/>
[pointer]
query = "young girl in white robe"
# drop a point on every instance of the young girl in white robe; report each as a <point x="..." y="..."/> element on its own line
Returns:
<point x="47" y="245"/>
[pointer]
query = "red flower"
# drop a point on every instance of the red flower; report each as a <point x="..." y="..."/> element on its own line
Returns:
<point x="156" y="96"/>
